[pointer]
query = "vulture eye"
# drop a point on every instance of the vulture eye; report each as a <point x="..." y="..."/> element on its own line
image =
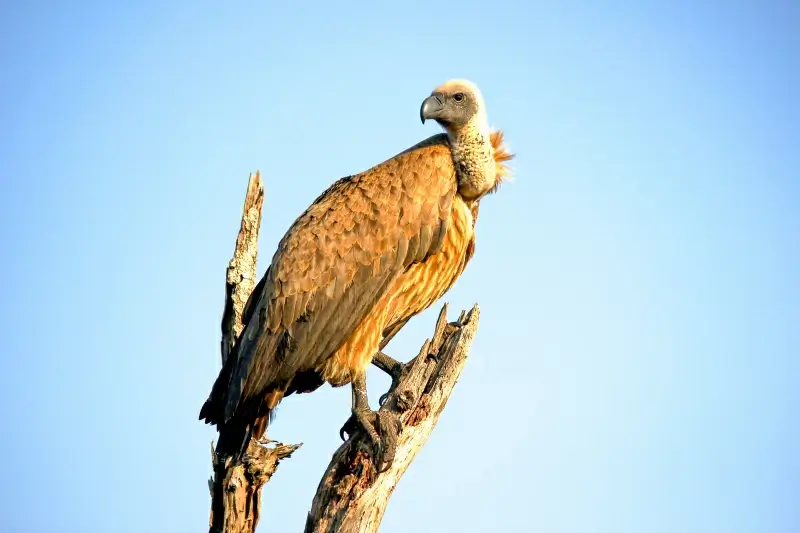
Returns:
<point x="458" y="97"/>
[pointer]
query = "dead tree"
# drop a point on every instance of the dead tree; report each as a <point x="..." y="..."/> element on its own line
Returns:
<point x="352" y="495"/>
<point x="236" y="489"/>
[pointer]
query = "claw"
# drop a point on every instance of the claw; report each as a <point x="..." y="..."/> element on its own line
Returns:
<point x="385" y="395"/>
<point x="395" y="369"/>
<point x="390" y="428"/>
<point x="381" y="427"/>
<point x="347" y="428"/>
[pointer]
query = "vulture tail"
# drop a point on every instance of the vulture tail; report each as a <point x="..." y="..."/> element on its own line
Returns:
<point x="235" y="434"/>
<point x="234" y="438"/>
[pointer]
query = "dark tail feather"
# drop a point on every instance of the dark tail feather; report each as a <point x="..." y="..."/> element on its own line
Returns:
<point x="210" y="412"/>
<point x="234" y="438"/>
<point x="250" y="422"/>
<point x="213" y="410"/>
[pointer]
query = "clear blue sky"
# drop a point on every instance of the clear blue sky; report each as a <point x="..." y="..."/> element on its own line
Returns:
<point x="637" y="366"/>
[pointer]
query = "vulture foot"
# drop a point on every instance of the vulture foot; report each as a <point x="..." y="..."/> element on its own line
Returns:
<point x="394" y="368"/>
<point x="381" y="427"/>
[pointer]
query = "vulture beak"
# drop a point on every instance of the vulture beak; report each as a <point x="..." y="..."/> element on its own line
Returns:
<point x="432" y="106"/>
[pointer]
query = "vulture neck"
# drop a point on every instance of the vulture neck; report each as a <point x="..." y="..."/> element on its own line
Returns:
<point x="474" y="160"/>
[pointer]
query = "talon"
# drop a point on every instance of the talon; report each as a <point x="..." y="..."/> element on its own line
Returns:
<point x="366" y="419"/>
<point x="390" y="429"/>
<point x="395" y="369"/>
<point x="385" y="396"/>
<point x="382" y="429"/>
<point x="382" y="433"/>
<point x="347" y="429"/>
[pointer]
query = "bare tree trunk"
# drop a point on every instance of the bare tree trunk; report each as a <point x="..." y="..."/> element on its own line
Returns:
<point x="236" y="489"/>
<point x="352" y="496"/>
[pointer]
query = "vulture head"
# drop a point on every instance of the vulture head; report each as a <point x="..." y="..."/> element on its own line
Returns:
<point x="479" y="153"/>
<point x="455" y="105"/>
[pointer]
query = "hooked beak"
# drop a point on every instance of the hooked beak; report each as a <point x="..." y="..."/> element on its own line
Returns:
<point x="431" y="107"/>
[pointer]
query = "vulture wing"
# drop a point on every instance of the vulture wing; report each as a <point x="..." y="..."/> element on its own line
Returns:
<point x="335" y="263"/>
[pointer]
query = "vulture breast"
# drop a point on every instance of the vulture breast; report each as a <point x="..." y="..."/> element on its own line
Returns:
<point x="413" y="291"/>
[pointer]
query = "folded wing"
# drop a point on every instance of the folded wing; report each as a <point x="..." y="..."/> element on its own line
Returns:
<point x="334" y="264"/>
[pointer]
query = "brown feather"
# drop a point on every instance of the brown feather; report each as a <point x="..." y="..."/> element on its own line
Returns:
<point x="357" y="226"/>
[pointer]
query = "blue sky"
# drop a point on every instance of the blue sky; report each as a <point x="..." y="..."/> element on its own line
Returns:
<point x="637" y="365"/>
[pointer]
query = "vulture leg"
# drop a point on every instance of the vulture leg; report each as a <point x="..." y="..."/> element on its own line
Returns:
<point x="392" y="367"/>
<point x="380" y="426"/>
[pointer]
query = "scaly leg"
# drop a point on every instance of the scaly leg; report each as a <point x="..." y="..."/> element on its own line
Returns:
<point x="392" y="367"/>
<point x="382" y="428"/>
<point x="387" y="364"/>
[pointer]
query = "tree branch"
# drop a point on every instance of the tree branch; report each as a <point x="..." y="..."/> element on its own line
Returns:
<point x="240" y="278"/>
<point x="352" y="497"/>
<point x="236" y="489"/>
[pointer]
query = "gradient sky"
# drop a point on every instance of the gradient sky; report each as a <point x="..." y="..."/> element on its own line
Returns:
<point x="637" y="365"/>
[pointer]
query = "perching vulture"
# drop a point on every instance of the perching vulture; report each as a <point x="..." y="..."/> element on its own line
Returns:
<point x="372" y="251"/>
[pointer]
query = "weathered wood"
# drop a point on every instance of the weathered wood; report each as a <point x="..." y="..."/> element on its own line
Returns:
<point x="236" y="489"/>
<point x="352" y="496"/>
<point x="240" y="278"/>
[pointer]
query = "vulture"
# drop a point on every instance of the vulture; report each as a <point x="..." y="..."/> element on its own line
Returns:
<point x="372" y="251"/>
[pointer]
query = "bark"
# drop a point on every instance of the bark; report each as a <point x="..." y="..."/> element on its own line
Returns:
<point x="352" y="496"/>
<point x="240" y="278"/>
<point x="236" y="489"/>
